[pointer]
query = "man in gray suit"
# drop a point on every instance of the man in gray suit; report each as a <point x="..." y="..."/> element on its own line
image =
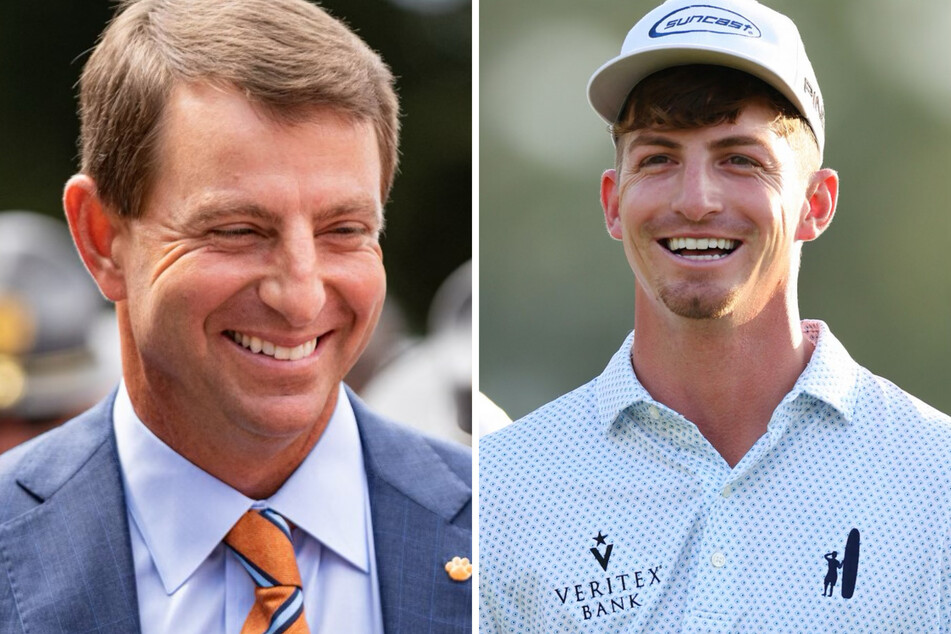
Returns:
<point x="236" y="157"/>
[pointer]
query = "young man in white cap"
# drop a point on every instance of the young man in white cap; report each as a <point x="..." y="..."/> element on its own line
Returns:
<point x="697" y="484"/>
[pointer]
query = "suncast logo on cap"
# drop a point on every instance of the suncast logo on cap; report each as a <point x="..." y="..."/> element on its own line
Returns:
<point x="704" y="18"/>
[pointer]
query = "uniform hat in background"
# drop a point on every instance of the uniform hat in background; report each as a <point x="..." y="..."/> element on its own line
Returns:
<point x="740" y="34"/>
<point x="58" y="343"/>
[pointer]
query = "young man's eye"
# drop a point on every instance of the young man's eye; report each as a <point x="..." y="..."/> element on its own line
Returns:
<point x="655" y="159"/>
<point x="743" y="161"/>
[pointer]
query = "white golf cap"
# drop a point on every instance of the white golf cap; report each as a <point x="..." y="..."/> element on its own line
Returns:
<point x="740" y="34"/>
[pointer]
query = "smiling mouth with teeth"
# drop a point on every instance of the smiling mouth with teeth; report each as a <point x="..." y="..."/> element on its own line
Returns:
<point x="700" y="248"/>
<point x="282" y="353"/>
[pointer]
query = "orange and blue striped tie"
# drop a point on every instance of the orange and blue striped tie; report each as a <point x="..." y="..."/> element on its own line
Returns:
<point x="262" y="542"/>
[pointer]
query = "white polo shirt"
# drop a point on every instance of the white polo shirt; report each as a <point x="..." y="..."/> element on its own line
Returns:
<point x="605" y="511"/>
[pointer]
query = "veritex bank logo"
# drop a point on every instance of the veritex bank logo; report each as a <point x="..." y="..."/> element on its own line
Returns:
<point x="611" y="593"/>
<point x="704" y="18"/>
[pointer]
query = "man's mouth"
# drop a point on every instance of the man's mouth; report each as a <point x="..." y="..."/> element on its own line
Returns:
<point x="701" y="248"/>
<point x="282" y="353"/>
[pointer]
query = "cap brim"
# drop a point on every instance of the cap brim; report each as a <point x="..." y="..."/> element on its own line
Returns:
<point x="611" y="84"/>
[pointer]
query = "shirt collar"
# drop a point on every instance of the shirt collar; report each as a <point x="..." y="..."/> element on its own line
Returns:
<point x="618" y="387"/>
<point x="831" y="376"/>
<point x="325" y="496"/>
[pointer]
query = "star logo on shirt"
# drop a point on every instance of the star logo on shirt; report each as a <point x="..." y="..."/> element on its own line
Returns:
<point x="602" y="559"/>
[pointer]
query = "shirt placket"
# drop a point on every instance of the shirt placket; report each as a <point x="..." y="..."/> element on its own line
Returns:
<point x="711" y="605"/>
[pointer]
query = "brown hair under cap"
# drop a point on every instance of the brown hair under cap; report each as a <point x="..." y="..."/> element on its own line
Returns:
<point x="701" y="95"/>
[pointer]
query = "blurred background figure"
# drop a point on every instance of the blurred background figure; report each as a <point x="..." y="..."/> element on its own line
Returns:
<point x="59" y="349"/>
<point x="429" y="383"/>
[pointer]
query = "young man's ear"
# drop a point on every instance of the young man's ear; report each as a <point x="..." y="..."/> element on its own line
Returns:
<point x="610" y="202"/>
<point x="822" y="193"/>
<point x="95" y="230"/>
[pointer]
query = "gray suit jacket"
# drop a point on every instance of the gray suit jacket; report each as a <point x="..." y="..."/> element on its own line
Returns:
<point x="66" y="560"/>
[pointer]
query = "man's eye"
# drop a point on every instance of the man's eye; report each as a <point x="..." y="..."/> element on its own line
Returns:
<point x="743" y="161"/>
<point x="351" y="230"/>
<point x="231" y="232"/>
<point x="655" y="159"/>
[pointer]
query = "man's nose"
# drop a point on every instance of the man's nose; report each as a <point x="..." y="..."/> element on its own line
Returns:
<point x="698" y="194"/>
<point x="295" y="286"/>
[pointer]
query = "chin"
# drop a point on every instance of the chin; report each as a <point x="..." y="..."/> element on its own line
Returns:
<point x="696" y="306"/>
<point x="283" y="416"/>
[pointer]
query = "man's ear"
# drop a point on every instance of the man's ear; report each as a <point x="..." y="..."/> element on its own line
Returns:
<point x="822" y="193"/>
<point x="95" y="229"/>
<point x="610" y="202"/>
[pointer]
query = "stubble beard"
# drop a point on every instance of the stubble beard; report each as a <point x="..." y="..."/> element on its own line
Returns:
<point x="696" y="303"/>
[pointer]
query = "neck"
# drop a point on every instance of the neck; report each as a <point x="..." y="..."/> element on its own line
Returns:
<point x="725" y="377"/>
<point x="238" y="454"/>
<point x="249" y="462"/>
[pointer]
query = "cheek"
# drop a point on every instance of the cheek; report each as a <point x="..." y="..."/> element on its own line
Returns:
<point x="184" y="300"/>
<point x="362" y="287"/>
<point x="635" y="234"/>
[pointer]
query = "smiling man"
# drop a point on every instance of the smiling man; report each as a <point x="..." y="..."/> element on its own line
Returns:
<point x="236" y="159"/>
<point x="698" y="484"/>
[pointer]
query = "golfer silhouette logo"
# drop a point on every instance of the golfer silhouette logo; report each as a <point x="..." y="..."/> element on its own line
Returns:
<point x="833" y="575"/>
<point x="849" y="566"/>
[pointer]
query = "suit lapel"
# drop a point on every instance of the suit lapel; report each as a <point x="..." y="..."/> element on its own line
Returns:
<point x="69" y="558"/>
<point x="421" y="514"/>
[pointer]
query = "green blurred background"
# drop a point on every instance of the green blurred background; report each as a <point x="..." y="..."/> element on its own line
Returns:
<point x="556" y="293"/>
<point x="427" y="43"/>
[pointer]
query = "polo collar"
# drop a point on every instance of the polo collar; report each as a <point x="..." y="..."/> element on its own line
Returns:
<point x="617" y="388"/>
<point x="831" y="376"/>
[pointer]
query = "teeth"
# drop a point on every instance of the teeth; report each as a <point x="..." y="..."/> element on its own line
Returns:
<point x="283" y="353"/>
<point x="704" y="257"/>
<point x="700" y="244"/>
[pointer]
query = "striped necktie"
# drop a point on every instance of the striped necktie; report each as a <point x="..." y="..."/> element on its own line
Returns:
<point x="262" y="542"/>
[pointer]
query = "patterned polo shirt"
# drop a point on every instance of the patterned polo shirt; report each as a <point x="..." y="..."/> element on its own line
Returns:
<point x="605" y="511"/>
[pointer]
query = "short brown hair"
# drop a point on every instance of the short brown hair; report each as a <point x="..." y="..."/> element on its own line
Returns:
<point x="700" y="95"/>
<point x="287" y="56"/>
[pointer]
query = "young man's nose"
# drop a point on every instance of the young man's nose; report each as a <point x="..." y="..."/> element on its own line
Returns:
<point x="698" y="193"/>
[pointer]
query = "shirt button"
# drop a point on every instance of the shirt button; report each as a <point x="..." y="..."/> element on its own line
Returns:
<point x="718" y="560"/>
<point x="653" y="412"/>
<point x="727" y="491"/>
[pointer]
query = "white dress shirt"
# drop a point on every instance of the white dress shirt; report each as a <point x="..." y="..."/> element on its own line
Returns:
<point x="187" y="581"/>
